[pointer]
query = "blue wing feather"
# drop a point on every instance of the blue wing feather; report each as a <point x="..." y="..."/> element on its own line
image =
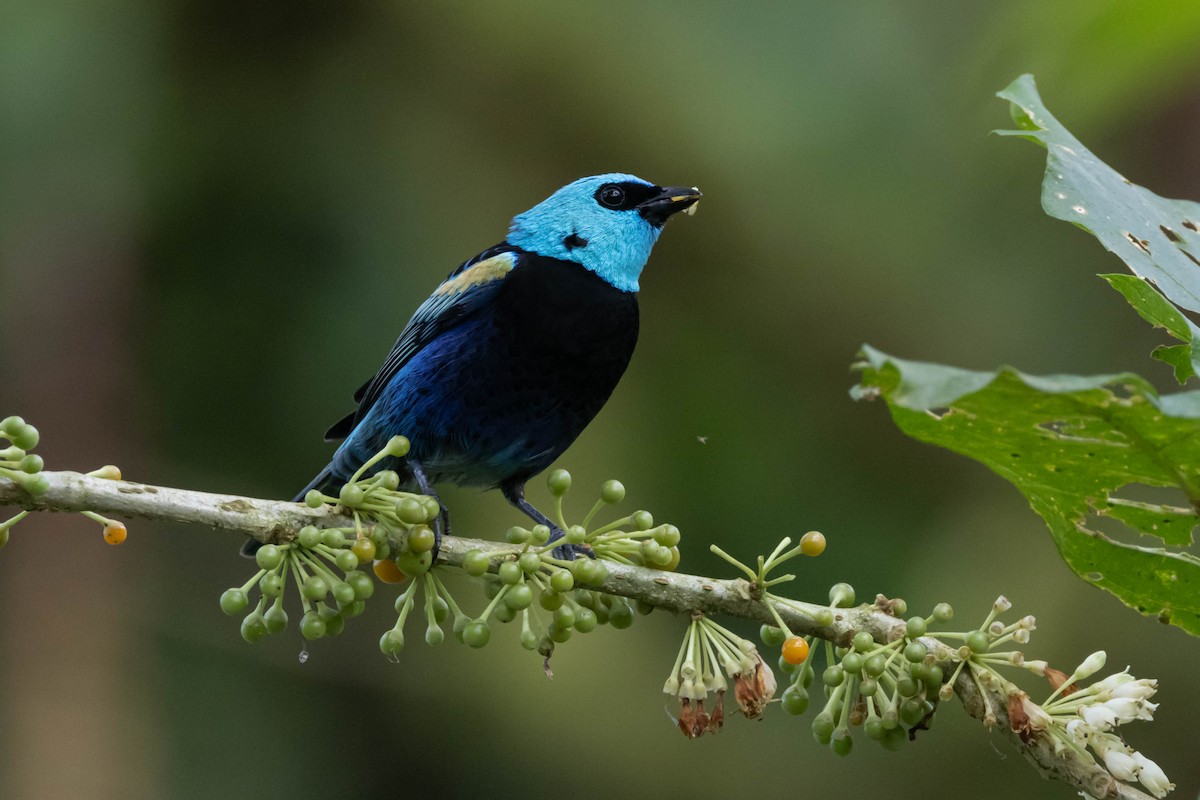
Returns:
<point x="467" y="289"/>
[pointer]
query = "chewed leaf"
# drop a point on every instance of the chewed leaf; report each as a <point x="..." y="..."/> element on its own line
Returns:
<point x="1157" y="238"/>
<point x="1079" y="448"/>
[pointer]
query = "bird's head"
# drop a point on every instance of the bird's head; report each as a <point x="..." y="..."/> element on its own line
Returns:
<point x="608" y="223"/>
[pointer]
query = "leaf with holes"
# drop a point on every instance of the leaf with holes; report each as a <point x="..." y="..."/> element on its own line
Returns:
<point x="1112" y="467"/>
<point x="1157" y="238"/>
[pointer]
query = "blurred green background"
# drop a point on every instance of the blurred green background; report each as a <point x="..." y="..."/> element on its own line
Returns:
<point x="216" y="216"/>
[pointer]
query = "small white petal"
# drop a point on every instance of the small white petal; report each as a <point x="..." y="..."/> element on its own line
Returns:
<point x="1098" y="717"/>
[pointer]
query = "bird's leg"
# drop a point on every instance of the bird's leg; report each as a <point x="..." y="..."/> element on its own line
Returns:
<point x="514" y="493"/>
<point x="442" y="525"/>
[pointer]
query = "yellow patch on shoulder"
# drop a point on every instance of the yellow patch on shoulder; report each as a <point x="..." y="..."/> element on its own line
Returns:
<point x="486" y="271"/>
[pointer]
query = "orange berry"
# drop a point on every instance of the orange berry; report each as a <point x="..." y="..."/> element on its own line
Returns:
<point x="388" y="572"/>
<point x="114" y="532"/>
<point x="795" y="650"/>
<point x="812" y="543"/>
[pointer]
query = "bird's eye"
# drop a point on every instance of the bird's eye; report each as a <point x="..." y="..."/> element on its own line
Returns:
<point x="611" y="195"/>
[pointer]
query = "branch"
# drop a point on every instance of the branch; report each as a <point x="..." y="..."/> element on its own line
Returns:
<point x="273" y="521"/>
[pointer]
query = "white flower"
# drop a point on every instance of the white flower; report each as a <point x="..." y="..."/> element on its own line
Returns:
<point x="1152" y="776"/>
<point x="1099" y="717"/>
<point x="1120" y="764"/>
<point x="1021" y="636"/>
<point x="1002" y="604"/>
<point x="1078" y="730"/>
<point x="1127" y="709"/>
<point x="1113" y="681"/>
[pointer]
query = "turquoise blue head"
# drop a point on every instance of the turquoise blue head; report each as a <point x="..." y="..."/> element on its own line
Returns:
<point x="608" y="223"/>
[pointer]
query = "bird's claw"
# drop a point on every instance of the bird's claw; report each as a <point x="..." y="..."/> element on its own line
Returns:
<point x="570" y="552"/>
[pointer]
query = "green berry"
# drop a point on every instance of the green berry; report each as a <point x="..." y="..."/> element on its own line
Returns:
<point x="585" y="620"/>
<point x="530" y="563"/>
<point x="517" y="535"/>
<point x="519" y="597"/>
<point x="558" y="635"/>
<point x="915" y="627"/>
<point x="540" y="534"/>
<point x="271" y="585"/>
<point x="504" y="613"/>
<point x="333" y="538"/>
<point x="344" y="594"/>
<point x="314" y="499"/>
<point x="550" y="601"/>
<point x="397" y="447"/>
<point x="564" y="617"/>
<point x="621" y="616"/>
<point x="668" y="536"/>
<point x="943" y="612"/>
<point x="915" y="652"/>
<point x="643" y="520"/>
<point x="771" y="635"/>
<point x="562" y="581"/>
<point x="364" y="587"/>
<point x="558" y="482"/>
<point x="875" y="665"/>
<point x="316" y="587"/>
<point x="612" y="492"/>
<point x="841" y="595"/>
<point x="234" y="601"/>
<point x="894" y="738"/>
<point x="308" y="537"/>
<point x="529" y="639"/>
<point x="335" y="623"/>
<point x="912" y="711"/>
<point x="31" y="464"/>
<point x="787" y="667"/>
<point x="12" y="424"/>
<point x="477" y="633"/>
<point x="268" y="556"/>
<point x="822" y="727"/>
<point x="388" y="479"/>
<point x="421" y="539"/>
<point x="833" y="676"/>
<point x="853" y="663"/>
<point x="576" y="534"/>
<point x="254" y="628"/>
<point x="934" y="679"/>
<point x="410" y="511"/>
<point x="510" y="573"/>
<point x="907" y="687"/>
<point x="346" y="560"/>
<point x="351" y="495"/>
<point x="276" y="619"/>
<point x="823" y="618"/>
<point x="919" y="673"/>
<point x="843" y="743"/>
<point x="874" y="729"/>
<point x="863" y="642"/>
<point x="434" y="635"/>
<point x="354" y="609"/>
<point x="978" y="641"/>
<point x="26" y="437"/>
<point x="475" y="562"/>
<point x="794" y="701"/>
<point x="391" y="642"/>
<point x="868" y="686"/>
<point x="312" y="626"/>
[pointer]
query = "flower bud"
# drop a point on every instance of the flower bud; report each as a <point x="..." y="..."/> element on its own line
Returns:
<point x="1090" y="666"/>
<point x="1001" y="605"/>
<point x="1122" y="765"/>
<point x="1098" y="717"/>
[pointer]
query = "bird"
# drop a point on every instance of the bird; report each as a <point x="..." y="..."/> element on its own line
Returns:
<point x="516" y="351"/>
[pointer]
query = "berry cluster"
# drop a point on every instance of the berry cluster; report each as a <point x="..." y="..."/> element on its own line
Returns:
<point x="323" y="565"/>
<point x="25" y="469"/>
<point x="552" y="595"/>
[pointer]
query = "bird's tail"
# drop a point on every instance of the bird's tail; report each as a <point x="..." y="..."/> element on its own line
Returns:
<point x="326" y="481"/>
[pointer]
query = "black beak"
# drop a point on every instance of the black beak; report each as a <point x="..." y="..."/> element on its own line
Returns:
<point x="669" y="200"/>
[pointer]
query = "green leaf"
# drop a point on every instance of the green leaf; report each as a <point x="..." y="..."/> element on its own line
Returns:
<point x="1157" y="238"/>
<point x="1090" y="454"/>
<point x="1179" y="356"/>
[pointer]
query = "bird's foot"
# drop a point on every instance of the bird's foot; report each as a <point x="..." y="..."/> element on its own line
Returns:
<point x="441" y="527"/>
<point x="570" y="552"/>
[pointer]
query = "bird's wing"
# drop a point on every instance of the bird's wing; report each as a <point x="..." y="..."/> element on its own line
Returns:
<point x="465" y="290"/>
